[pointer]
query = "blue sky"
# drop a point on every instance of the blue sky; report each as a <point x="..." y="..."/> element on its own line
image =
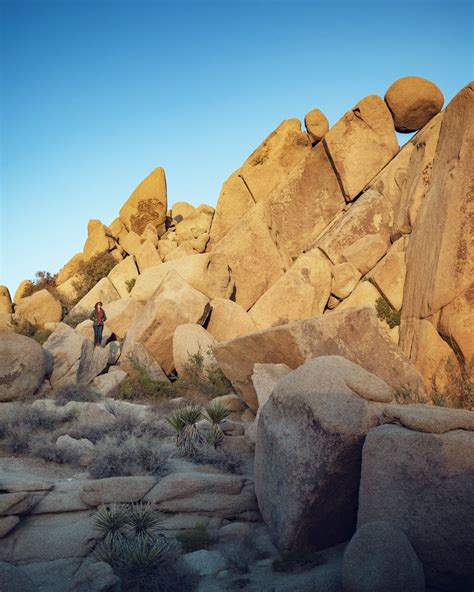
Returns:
<point x="95" y="95"/>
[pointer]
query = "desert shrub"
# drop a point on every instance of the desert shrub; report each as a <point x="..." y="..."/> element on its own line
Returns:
<point x="297" y="561"/>
<point x="184" y="421"/>
<point x="195" y="539"/>
<point x="92" y="271"/>
<point x="45" y="448"/>
<point x="75" y="392"/>
<point x="75" y="318"/>
<point x="240" y="554"/>
<point x="227" y="462"/>
<point x="386" y="313"/>
<point x="460" y="393"/>
<point x="22" y="326"/>
<point x="404" y="395"/>
<point x="114" y="457"/>
<point x="138" y="552"/>
<point x="41" y="335"/>
<point x="91" y="431"/>
<point x="141" y="385"/>
<point x="44" y="280"/>
<point x="16" y="439"/>
<point x="206" y="379"/>
<point x="129" y="284"/>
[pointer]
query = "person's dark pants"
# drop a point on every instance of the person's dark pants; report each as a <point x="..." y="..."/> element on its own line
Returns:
<point x="98" y="329"/>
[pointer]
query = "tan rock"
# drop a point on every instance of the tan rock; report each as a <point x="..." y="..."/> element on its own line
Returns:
<point x="305" y="202"/>
<point x="456" y="325"/>
<point x="22" y="366"/>
<point x="69" y="290"/>
<point x="229" y="320"/>
<point x="208" y="274"/>
<point x="173" y="303"/>
<point x="119" y="323"/>
<point x="275" y="158"/>
<point x="103" y="291"/>
<point x="332" y="302"/>
<point x="416" y="177"/>
<point x="429" y="418"/>
<point x="188" y="340"/>
<point x="197" y="223"/>
<point x="40" y="308"/>
<point x="131" y="243"/>
<point x="147" y="256"/>
<point x="316" y="125"/>
<point x="86" y="329"/>
<point x="181" y="210"/>
<point x="370" y="215"/>
<point x="70" y="269"/>
<point x="366" y="294"/>
<point x="184" y="250"/>
<point x="137" y="354"/>
<point x="5" y="301"/>
<point x="99" y="240"/>
<point x="22" y="289"/>
<point x="116" y="227"/>
<point x="165" y="247"/>
<point x="233" y="203"/>
<point x="444" y="222"/>
<point x="301" y="292"/>
<point x="361" y="143"/>
<point x="434" y="358"/>
<point x="254" y="270"/>
<point x="389" y="276"/>
<point x="147" y="204"/>
<point x="365" y="252"/>
<point x="354" y="334"/>
<point x="345" y="278"/>
<point x="413" y="101"/>
<point x="122" y="273"/>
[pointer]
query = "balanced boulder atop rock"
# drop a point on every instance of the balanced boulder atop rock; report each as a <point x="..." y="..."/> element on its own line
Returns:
<point x="413" y="101"/>
<point x="316" y="125"/>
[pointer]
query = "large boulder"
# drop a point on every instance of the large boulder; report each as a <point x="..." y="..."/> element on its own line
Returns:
<point x="301" y="293"/>
<point x="70" y="269"/>
<point x="229" y="320"/>
<point x="147" y="256"/>
<point x="22" y="366"/>
<point x="124" y="272"/>
<point x="210" y="274"/>
<point x="352" y="333"/>
<point x="413" y="101"/>
<point x="5" y="301"/>
<point x="309" y="447"/>
<point x="120" y="322"/>
<point x="194" y="225"/>
<point x="104" y="291"/>
<point x="361" y="143"/>
<point x="389" y="275"/>
<point x="426" y="488"/>
<point x="274" y="158"/>
<point x="147" y="204"/>
<point x="189" y="340"/>
<point x="40" y="308"/>
<point x="445" y="271"/>
<point x="233" y="203"/>
<point x="99" y="240"/>
<point x="316" y="125"/>
<point x="173" y="303"/>
<point x="135" y="355"/>
<point x="380" y="557"/>
<point x="23" y="288"/>
<point x="253" y="270"/>
<point x="305" y="202"/>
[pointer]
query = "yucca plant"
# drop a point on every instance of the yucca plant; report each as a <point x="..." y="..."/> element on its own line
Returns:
<point x="188" y="435"/>
<point x="111" y="521"/>
<point x="217" y="412"/>
<point x="143" y="520"/>
<point x="141" y="556"/>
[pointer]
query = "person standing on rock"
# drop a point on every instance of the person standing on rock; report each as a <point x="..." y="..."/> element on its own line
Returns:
<point x="98" y="317"/>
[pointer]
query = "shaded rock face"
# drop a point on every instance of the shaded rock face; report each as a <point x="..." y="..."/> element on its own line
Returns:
<point x="23" y="366"/>
<point x="147" y="204"/>
<point x="445" y="221"/>
<point x="413" y="101"/>
<point x="426" y="489"/>
<point x="308" y="453"/>
<point x="380" y="557"/>
<point x="352" y="333"/>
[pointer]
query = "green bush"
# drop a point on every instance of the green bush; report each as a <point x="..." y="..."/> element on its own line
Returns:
<point x="141" y="385"/>
<point x="386" y="313"/>
<point x="92" y="271"/>
<point x="203" y="379"/>
<point x="195" y="539"/>
<point x="129" y="284"/>
<point x="44" y="280"/>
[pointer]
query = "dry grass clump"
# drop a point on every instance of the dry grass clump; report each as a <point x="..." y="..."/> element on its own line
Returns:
<point x="82" y="393"/>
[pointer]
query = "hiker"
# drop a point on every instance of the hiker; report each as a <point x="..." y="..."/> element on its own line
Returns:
<point x="98" y="317"/>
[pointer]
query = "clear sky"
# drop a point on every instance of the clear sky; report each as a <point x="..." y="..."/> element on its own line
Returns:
<point x="95" y="95"/>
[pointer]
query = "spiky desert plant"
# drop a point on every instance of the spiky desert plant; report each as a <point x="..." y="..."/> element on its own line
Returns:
<point x="144" y="520"/>
<point x="111" y="521"/>
<point x="188" y="435"/>
<point x="217" y="412"/>
<point x="141" y="556"/>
